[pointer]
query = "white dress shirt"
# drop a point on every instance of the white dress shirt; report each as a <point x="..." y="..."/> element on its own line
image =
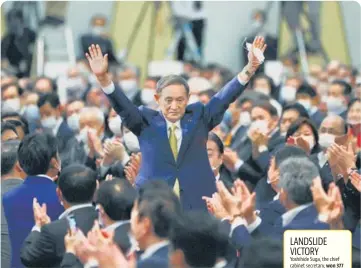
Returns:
<point x="73" y="208"/>
<point x="177" y="132"/>
<point x="153" y="248"/>
<point x="57" y="126"/>
<point x="291" y="214"/>
<point x="322" y="159"/>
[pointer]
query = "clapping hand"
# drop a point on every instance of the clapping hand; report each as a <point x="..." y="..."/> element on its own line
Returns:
<point x="95" y="145"/>
<point x="215" y="207"/>
<point x="40" y="215"/>
<point x="230" y="158"/>
<point x="133" y="167"/>
<point x="113" y="151"/>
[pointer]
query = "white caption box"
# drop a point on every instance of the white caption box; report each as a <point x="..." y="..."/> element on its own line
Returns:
<point x="317" y="249"/>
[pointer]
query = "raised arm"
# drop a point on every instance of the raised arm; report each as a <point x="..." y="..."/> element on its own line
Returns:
<point x="216" y="108"/>
<point x="129" y="113"/>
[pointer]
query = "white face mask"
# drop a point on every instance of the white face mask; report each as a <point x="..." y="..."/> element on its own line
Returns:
<point x="49" y="122"/>
<point x="73" y="122"/>
<point x="260" y="125"/>
<point x="326" y="140"/>
<point x="12" y="105"/>
<point x="310" y="141"/>
<point x="245" y="118"/>
<point x="131" y="142"/>
<point x="84" y="134"/>
<point x="115" y="124"/>
<point x="306" y="104"/>
<point x="98" y="30"/>
<point x="147" y="96"/>
<point x="129" y="85"/>
<point x="193" y="99"/>
<point x="256" y="24"/>
<point x="263" y="90"/>
<point x="288" y="93"/>
<point x="335" y="105"/>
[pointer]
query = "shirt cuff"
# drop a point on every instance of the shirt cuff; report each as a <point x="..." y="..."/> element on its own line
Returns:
<point x="253" y="226"/>
<point x="237" y="222"/>
<point x="322" y="218"/>
<point x="262" y="148"/>
<point x="109" y="89"/>
<point x="241" y="81"/>
<point x="36" y="229"/>
<point x="126" y="159"/>
<point x="91" y="263"/>
<point x="238" y="164"/>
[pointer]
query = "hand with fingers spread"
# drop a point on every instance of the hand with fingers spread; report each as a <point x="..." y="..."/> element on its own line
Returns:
<point x="107" y="150"/>
<point x="133" y="167"/>
<point x="356" y="180"/>
<point x="248" y="201"/>
<point x="95" y="145"/>
<point x="99" y="64"/>
<point x="346" y="157"/>
<point x="214" y="206"/>
<point x="40" y="215"/>
<point x="230" y="159"/>
<point x="230" y="202"/>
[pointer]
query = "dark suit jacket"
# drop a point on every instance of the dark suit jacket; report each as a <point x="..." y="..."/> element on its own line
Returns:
<point x="6" y="185"/>
<point x="158" y="259"/>
<point x="192" y="166"/>
<point x="64" y="135"/>
<point x="264" y="193"/>
<point x="18" y="208"/>
<point x="317" y="118"/>
<point x="46" y="248"/>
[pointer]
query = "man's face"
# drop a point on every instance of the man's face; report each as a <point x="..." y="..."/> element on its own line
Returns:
<point x="151" y="84"/>
<point x="173" y="102"/>
<point x="8" y="135"/>
<point x="90" y="120"/>
<point x="259" y="114"/>
<point x="47" y="111"/>
<point x="43" y="86"/>
<point x="139" y="226"/>
<point x="235" y="111"/>
<point x="10" y="93"/>
<point x="214" y="156"/>
<point x="335" y="91"/>
<point x="74" y="108"/>
<point x="288" y="118"/>
<point x="293" y="82"/>
<point x="31" y="99"/>
<point x="262" y="85"/>
<point x="331" y="125"/>
<point x="354" y="114"/>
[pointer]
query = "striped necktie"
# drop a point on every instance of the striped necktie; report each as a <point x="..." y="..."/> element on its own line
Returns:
<point x="174" y="146"/>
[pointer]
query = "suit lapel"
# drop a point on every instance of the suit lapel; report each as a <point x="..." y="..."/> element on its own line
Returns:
<point x="187" y="124"/>
<point x="165" y="146"/>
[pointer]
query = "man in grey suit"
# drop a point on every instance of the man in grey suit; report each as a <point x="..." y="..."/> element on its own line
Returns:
<point x="11" y="176"/>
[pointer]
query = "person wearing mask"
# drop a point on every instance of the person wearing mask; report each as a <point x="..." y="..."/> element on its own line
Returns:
<point x="44" y="246"/>
<point x="39" y="158"/>
<point x="95" y="97"/>
<point x="290" y="114"/>
<point x="196" y="86"/>
<point x="74" y="85"/>
<point x="12" y="176"/>
<point x="129" y="79"/>
<point x="198" y="240"/>
<point x="354" y="120"/>
<point x="44" y="85"/>
<point x="73" y="113"/>
<point x="288" y="90"/>
<point x="8" y="131"/>
<point x="148" y="92"/>
<point x="337" y="98"/>
<point x="31" y="111"/>
<point x="11" y="98"/>
<point x="151" y="219"/>
<point x="98" y="35"/>
<point x="52" y="121"/>
<point x="206" y="96"/>
<point x="307" y="97"/>
<point x="215" y="149"/>
<point x="175" y="131"/>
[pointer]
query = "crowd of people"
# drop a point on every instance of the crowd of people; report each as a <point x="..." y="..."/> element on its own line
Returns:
<point x="283" y="157"/>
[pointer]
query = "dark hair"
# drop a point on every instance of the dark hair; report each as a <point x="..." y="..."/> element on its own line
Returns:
<point x="6" y="125"/>
<point x="306" y="90"/>
<point x="262" y="253"/>
<point x="287" y="152"/>
<point x="9" y="155"/>
<point x="36" y="151"/>
<point x="305" y="121"/>
<point x="15" y="13"/>
<point x="209" y="92"/>
<point x="200" y="237"/>
<point x="171" y="80"/>
<point x="20" y="123"/>
<point x="297" y="107"/>
<point x="266" y="105"/>
<point x="51" y="82"/>
<point x="266" y="77"/>
<point x="51" y="98"/>
<point x="160" y="205"/>
<point x="6" y="86"/>
<point x="352" y="102"/>
<point x="117" y="198"/>
<point x="9" y="114"/>
<point x="77" y="184"/>
<point x="347" y="89"/>
<point x="153" y="78"/>
<point x="214" y="137"/>
<point x="241" y="100"/>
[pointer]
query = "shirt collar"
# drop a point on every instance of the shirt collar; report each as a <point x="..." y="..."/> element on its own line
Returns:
<point x="291" y="214"/>
<point x="322" y="158"/>
<point x="57" y="126"/>
<point x="153" y="248"/>
<point x="276" y="197"/>
<point x="170" y="124"/>
<point x="73" y="208"/>
<point x="115" y="225"/>
<point x="218" y="176"/>
<point x="44" y="176"/>
<point x="313" y="110"/>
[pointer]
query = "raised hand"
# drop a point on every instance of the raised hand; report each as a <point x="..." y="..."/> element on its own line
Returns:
<point x="258" y="46"/>
<point x="98" y="63"/>
<point x="230" y="158"/>
<point x="132" y="169"/>
<point x="40" y="214"/>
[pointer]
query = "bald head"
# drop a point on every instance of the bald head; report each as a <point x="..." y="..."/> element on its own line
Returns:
<point x="333" y="124"/>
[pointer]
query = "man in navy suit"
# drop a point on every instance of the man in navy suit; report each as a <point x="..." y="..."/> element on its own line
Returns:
<point x="173" y="140"/>
<point x="38" y="157"/>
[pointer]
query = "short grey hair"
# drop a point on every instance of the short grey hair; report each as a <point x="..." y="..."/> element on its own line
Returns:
<point x="99" y="115"/>
<point x="296" y="176"/>
<point x="172" y="80"/>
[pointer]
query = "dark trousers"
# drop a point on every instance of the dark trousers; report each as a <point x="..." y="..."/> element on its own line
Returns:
<point x="197" y="29"/>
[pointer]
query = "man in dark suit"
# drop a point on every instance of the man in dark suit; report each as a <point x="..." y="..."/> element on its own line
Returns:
<point x="39" y="159"/>
<point x="44" y="246"/>
<point x="338" y="97"/>
<point x="11" y="176"/>
<point x="172" y="140"/>
<point x="290" y="114"/>
<point x="52" y="121"/>
<point x="153" y="212"/>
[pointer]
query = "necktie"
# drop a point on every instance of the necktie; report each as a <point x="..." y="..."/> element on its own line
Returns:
<point x="174" y="147"/>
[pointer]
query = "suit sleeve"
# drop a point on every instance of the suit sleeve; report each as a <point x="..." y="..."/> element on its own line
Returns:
<point x="215" y="109"/>
<point x="38" y="249"/>
<point x="130" y="114"/>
